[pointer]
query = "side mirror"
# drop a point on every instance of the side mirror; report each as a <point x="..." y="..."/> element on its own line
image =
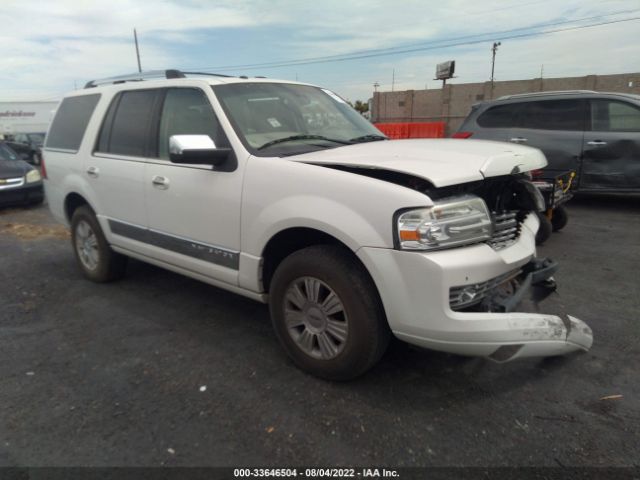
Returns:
<point x="196" y="149"/>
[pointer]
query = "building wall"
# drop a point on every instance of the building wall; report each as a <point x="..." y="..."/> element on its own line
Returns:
<point x="25" y="117"/>
<point x="452" y="103"/>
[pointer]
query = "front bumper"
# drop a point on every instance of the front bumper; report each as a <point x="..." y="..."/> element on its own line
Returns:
<point x="415" y="291"/>
<point x="23" y="194"/>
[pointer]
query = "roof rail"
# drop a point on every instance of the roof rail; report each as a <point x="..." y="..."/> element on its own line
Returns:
<point x="556" y="92"/>
<point x="150" y="74"/>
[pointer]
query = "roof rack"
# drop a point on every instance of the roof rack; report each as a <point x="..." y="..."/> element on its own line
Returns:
<point x="556" y="92"/>
<point x="150" y="74"/>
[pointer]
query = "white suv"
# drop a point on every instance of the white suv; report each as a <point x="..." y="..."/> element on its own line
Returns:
<point x="281" y="192"/>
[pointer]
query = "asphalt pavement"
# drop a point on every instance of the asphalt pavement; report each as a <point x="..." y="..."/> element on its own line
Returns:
<point x="158" y="369"/>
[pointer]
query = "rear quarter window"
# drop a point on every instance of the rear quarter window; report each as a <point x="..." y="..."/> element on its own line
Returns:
<point x="500" y="116"/>
<point x="70" y="122"/>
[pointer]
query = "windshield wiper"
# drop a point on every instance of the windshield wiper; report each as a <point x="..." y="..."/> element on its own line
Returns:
<point x="372" y="137"/>
<point x="302" y="137"/>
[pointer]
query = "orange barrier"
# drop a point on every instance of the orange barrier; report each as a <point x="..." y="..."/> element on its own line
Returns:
<point x="412" y="130"/>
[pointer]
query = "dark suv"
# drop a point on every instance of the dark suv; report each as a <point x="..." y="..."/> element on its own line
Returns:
<point x="595" y="134"/>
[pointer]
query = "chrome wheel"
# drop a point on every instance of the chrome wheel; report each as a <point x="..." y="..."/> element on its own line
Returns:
<point x="315" y="318"/>
<point x="87" y="245"/>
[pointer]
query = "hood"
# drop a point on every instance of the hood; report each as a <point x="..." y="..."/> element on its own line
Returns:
<point x="442" y="162"/>
<point x="13" y="168"/>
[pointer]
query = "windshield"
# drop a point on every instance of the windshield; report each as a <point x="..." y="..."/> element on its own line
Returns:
<point x="37" y="138"/>
<point x="283" y="119"/>
<point x="6" y="153"/>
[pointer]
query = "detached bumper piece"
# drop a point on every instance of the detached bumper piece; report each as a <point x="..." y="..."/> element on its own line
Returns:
<point x="529" y="335"/>
<point x="545" y="336"/>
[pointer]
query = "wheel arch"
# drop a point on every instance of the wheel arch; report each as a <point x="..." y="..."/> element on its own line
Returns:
<point x="292" y="239"/>
<point x="72" y="202"/>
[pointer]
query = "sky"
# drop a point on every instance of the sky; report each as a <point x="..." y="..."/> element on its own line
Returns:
<point x="52" y="47"/>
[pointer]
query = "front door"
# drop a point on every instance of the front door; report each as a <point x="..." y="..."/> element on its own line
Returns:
<point x="193" y="210"/>
<point x="611" y="158"/>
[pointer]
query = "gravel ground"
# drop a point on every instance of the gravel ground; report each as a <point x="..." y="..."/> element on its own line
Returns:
<point x="159" y="369"/>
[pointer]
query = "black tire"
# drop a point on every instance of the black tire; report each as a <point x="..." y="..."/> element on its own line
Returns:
<point x="544" y="232"/>
<point x="560" y="218"/>
<point x="367" y="332"/>
<point x="108" y="265"/>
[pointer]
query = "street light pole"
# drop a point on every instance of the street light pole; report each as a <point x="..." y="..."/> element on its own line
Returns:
<point x="494" y="49"/>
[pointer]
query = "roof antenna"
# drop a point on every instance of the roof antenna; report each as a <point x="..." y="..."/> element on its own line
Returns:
<point x="135" y="38"/>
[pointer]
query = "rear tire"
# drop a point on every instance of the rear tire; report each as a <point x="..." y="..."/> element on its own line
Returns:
<point x="327" y="314"/>
<point x="560" y="218"/>
<point x="544" y="232"/>
<point x="95" y="257"/>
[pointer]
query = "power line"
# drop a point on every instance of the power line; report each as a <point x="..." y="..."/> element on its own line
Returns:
<point x="446" y="43"/>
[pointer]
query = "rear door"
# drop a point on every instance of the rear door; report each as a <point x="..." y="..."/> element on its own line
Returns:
<point x="115" y="170"/>
<point x="554" y="126"/>
<point x="611" y="159"/>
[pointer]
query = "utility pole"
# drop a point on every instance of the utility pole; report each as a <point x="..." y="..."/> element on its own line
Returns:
<point x="135" y="38"/>
<point x="494" y="49"/>
<point x="393" y="79"/>
<point x="375" y="86"/>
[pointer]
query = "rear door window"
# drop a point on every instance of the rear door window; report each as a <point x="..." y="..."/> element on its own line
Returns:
<point x="614" y="116"/>
<point x="565" y="115"/>
<point x="71" y="121"/>
<point x="127" y="125"/>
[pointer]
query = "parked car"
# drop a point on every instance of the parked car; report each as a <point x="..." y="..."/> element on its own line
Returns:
<point x="595" y="134"/>
<point x="28" y="146"/>
<point x="20" y="183"/>
<point x="281" y="192"/>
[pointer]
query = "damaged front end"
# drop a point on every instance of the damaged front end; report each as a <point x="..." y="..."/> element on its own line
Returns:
<point x="490" y="292"/>
<point x="541" y="335"/>
<point x="492" y="285"/>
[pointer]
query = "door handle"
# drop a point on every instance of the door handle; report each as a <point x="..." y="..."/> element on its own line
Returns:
<point x="518" y="140"/>
<point x="160" y="182"/>
<point x="596" y="143"/>
<point x="93" y="172"/>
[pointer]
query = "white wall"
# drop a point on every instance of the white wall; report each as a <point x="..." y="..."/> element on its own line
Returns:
<point x="26" y="117"/>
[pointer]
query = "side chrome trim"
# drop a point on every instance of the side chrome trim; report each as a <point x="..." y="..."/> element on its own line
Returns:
<point x="259" y="297"/>
<point x="184" y="246"/>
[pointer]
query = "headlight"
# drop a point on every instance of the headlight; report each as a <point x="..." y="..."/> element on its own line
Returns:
<point x="33" y="176"/>
<point x="449" y="223"/>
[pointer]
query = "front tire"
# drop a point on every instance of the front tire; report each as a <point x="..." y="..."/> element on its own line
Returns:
<point x="327" y="314"/>
<point x="95" y="257"/>
<point x="544" y="232"/>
